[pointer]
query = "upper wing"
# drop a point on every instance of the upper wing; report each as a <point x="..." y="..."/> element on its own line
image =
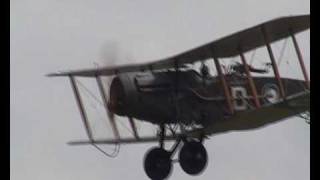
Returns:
<point x="247" y="40"/>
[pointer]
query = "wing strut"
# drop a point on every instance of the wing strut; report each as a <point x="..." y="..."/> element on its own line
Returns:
<point x="251" y="82"/>
<point x="133" y="127"/>
<point x="104" y="97"/>
<point x="224" y="84"/>
<point x="81" y="107"/>
<point x="273" y="62"/>
<point x="303" y="68"/>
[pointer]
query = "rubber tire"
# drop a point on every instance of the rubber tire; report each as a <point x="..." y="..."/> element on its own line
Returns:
<point x="193" y="158"/>
<point x="157" y="163"/>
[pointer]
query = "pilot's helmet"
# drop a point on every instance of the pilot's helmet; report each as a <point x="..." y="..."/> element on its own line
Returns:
<point x="204" y="70"/>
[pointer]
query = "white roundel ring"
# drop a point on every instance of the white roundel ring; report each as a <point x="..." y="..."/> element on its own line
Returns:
<point x="270" y="93"/>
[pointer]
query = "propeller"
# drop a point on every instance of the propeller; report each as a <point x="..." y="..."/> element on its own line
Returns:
<point x="109" y="55"/>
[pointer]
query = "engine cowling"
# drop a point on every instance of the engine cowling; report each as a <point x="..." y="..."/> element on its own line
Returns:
<point x="123" y="95"/>
<point x="136" y="95"/>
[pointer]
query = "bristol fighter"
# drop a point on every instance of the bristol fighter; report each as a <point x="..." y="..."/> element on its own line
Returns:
<point x="188" y="106"/>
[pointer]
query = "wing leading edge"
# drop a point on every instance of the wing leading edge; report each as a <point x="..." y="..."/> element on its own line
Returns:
<point x="228" y="46"/>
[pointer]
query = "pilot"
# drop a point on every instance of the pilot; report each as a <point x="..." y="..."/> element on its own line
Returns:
<point x="204" y="71"/>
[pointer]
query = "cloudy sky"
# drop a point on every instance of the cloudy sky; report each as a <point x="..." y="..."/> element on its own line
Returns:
<point x="51" y="35"/>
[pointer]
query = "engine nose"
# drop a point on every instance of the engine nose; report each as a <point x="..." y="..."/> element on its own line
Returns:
<point x="116" y="102"/>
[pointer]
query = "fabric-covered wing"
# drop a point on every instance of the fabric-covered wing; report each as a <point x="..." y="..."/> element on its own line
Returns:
<point x="123" y="140"/>
<point x="247" y="40"/>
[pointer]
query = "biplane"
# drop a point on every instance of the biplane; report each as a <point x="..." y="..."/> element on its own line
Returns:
<point x="193" y="105"/>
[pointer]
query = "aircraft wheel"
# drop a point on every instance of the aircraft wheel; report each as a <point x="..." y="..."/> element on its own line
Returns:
<point x="193" y="158"/>
<point x="157" y="163"/>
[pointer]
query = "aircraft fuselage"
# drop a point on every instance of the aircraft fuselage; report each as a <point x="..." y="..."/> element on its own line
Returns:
<point x="185" y="96"/>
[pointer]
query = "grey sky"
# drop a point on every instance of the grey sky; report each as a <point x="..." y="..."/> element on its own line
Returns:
<point x="48" y="35"/>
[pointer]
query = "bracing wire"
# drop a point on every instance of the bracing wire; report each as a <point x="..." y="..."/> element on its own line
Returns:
<point x="252" y="56"/>
<point x="284" y="46"/>
<point x="101" y="103"/>
<point x="89" y="92"/>
<point x="282" y="52"/>
<point x="116" y="148"/>
<point x="113" y="154"/>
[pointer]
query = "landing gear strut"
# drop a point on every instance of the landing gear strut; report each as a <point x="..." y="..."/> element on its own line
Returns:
<point x="157" y="162"/>
<point x="192" y="158"/>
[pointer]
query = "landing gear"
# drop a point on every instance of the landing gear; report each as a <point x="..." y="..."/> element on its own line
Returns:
<point x="193" y="157"/>
<point x="157" y="163"/>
